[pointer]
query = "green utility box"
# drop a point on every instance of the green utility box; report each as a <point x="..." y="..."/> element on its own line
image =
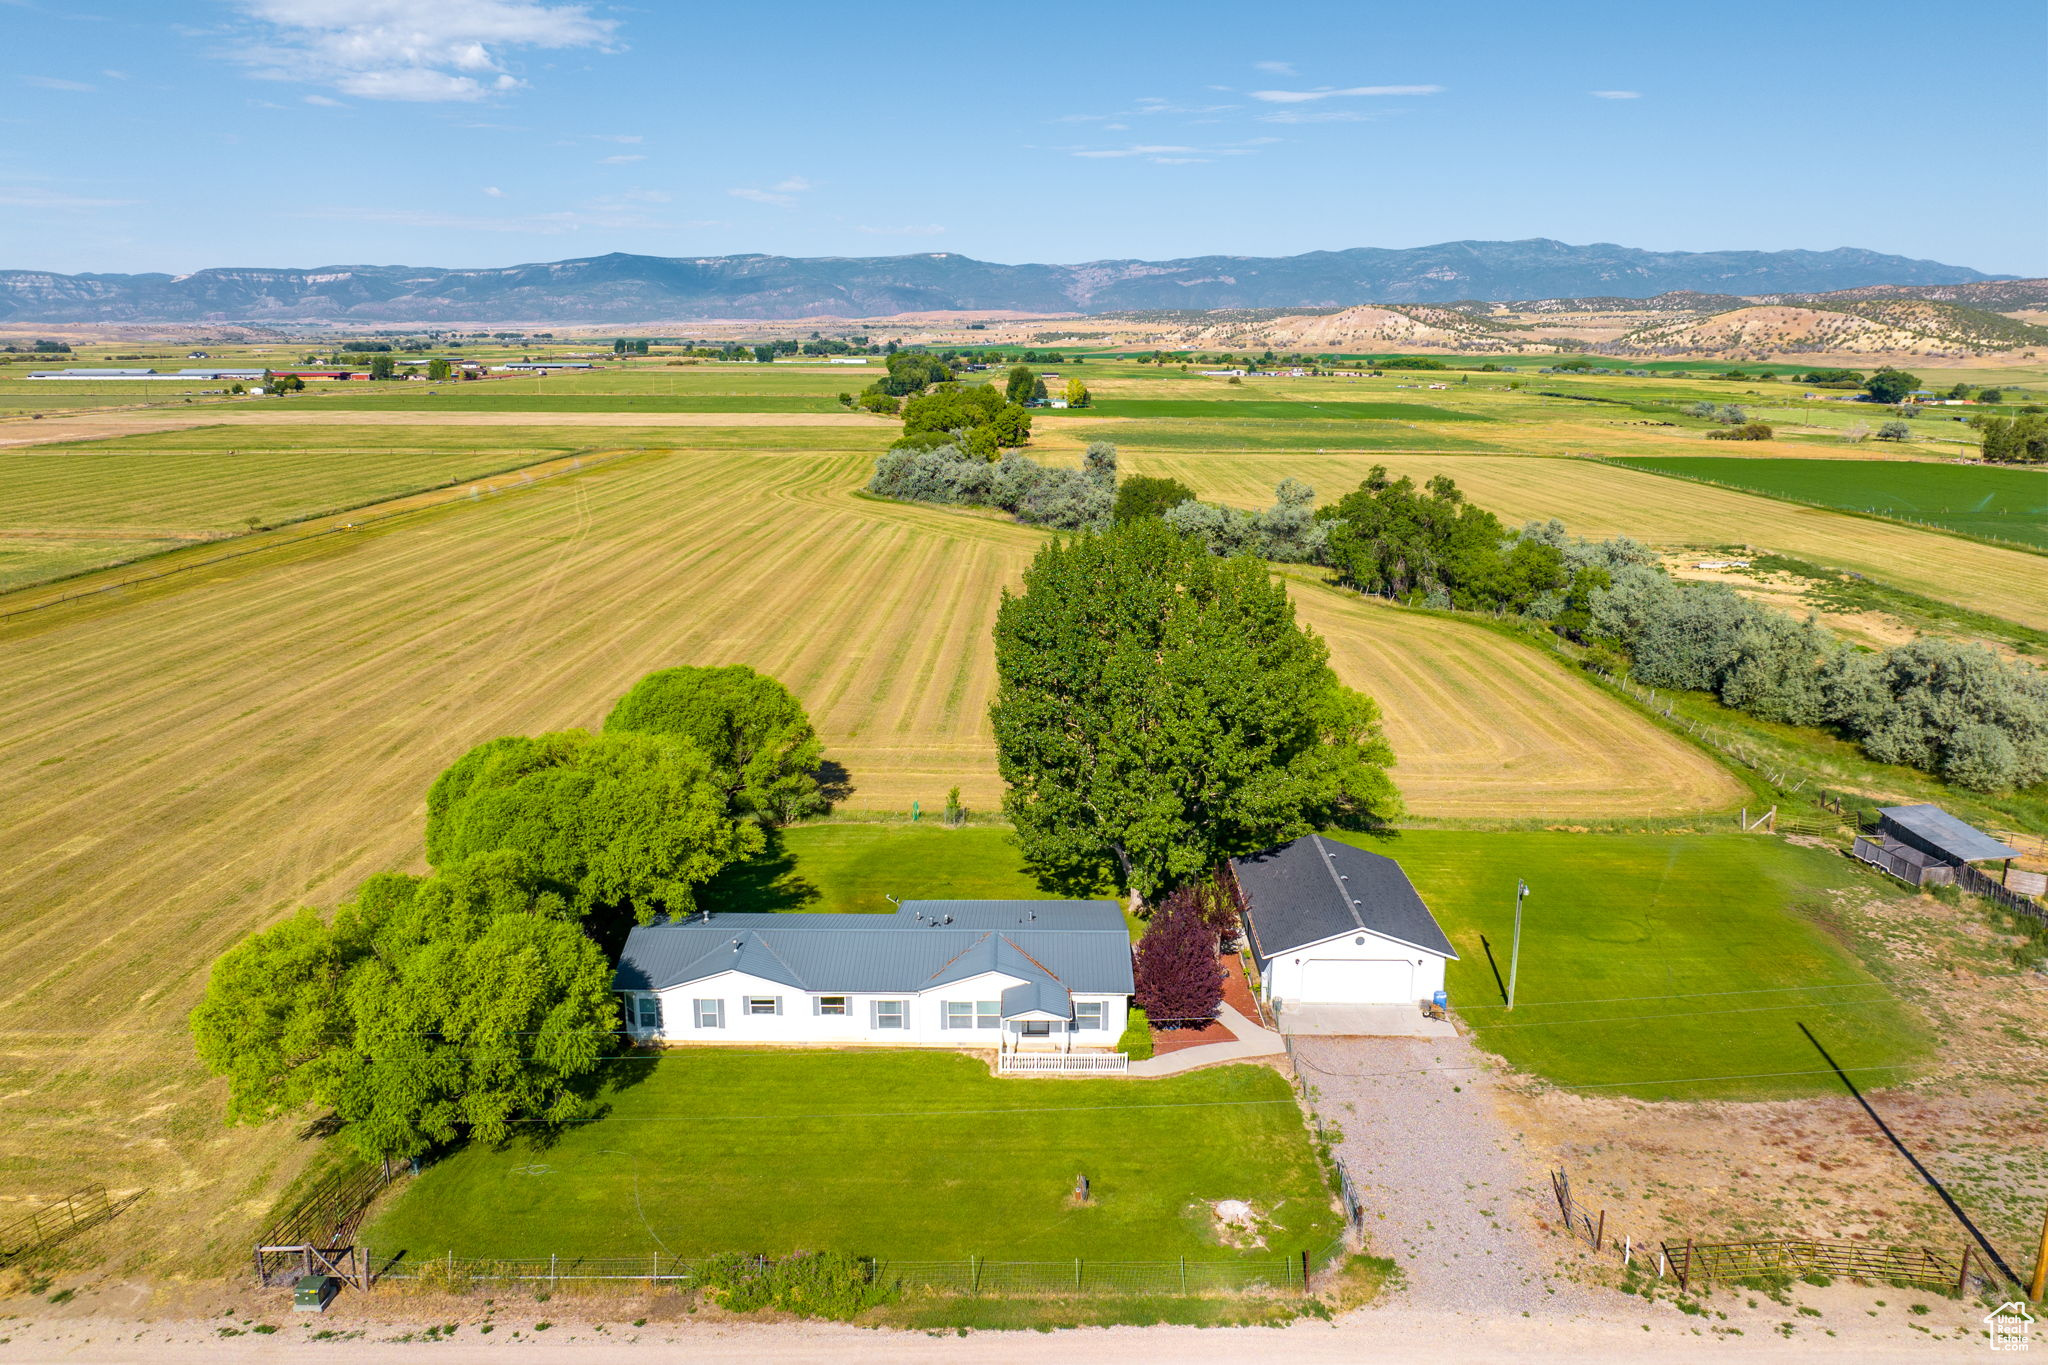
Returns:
<point x="313" y="1293"/>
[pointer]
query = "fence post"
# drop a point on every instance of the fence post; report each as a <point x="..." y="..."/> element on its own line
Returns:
<point x="1685" y="1276"/>
<point x="974" y="1272"/>
<point x="553" y="1281"/>
<point x="1183" y="1274"/>
<point x="1600" y="1234"/>
<point x="1963" y="1275"/>
<point x="1077" y="1272"/>
<point x="1304" y="1270"/>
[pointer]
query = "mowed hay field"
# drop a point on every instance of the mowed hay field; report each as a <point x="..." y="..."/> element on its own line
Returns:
<point x="73" y="507"/>
<point x="182" y="762"/>
<point x="1595" y="499"/>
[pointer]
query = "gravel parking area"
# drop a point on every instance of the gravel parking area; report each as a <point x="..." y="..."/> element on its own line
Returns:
<point x="1447" y="1191"/>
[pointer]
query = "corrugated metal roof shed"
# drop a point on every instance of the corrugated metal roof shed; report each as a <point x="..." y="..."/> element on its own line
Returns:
<point x="1938" y="832"/>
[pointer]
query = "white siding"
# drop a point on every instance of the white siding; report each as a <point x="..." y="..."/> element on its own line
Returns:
<point x="800" y="1022"/>
<point x="1363" y="968"/>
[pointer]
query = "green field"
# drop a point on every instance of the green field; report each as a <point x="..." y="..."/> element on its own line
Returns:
<point x="1294" y="410"/>
<point x="491" y="398"/>
<point x="2001" y="504"/>
<point x="1660" y="965"/>
<point x="899" y="1154"/>
<point x="855" y="868"/>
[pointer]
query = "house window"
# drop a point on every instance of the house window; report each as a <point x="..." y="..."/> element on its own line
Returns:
<point x="1087" y="1014"/>
<point x="988" y="1014"/>
<point x="764" y="1004"/>
<point x="830" y="1004"/>
<point x="959" y="1014"/>
<point x="710" y="1013"/>
<point x="891" y="1013"/>
<point x="974" y="1014"/>
<point x="649" y="1008"/>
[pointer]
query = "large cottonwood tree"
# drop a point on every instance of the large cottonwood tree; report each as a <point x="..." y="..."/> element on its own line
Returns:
<point x="1160" y="710"/>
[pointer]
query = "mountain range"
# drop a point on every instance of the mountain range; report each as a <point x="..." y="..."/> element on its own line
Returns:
<point x="628" y="288"/>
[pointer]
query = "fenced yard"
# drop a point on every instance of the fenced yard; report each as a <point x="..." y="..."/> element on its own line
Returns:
<point x="709" y="1151"/>
<point x="969" y="1275"/>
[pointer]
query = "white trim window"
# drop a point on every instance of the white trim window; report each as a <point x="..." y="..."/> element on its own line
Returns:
<point x="1088" y="1015"/>
<point x="710" y="1013"/>
<point x="889" y="1014"/>
<point x="959" y="1014"/>
<point x="647" y="1013"/>
<point x="762" y="1004"/>
<point x="831" y="1004"/>
<point x="988" y="1014"/>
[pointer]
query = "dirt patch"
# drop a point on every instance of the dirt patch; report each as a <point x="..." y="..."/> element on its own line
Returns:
<point x="1824" y="1167"/>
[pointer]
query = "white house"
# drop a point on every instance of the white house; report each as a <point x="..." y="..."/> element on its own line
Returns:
<point x="1006" y="975"/>
<point x="1335" y="925"/>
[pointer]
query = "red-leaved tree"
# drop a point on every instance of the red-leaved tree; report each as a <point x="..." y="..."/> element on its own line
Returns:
<point x="1179" y="978"/>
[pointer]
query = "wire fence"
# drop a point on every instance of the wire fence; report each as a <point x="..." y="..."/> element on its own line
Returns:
<point x="969" y="1275"/>
<point x="53" y="1222"/>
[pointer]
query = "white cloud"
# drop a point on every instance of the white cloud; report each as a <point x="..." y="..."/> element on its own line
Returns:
<point x="1116" y="127"/>
<point x="1316" y="116"/>
<point x="782" y="194"/>
<point x="323" y="102"/>
<point x="1616" y="94"/>
<point x="115" y="75"/>
<point x="401" y="50"/>
<point x="1325" y="93"/>
<point x="1142" y="149"/>
<point x="1274" y="68"/>
<point x="1180" y="160"/>
<point x="56" y="83"/>
<point x="623" y="159"/>
<point x="494" y="192"/>
<point x="30" y="197"/>
<point x="916" y="230"/>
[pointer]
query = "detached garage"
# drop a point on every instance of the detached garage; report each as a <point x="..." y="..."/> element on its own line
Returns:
<point x="1334" y="925"/>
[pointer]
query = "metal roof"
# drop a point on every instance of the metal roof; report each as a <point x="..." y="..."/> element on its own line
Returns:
<point x="1073" y="946"/>
<point x="1945" y="834"/>
<point x="1315" y="889"/>
<point x="1048" y="998"/>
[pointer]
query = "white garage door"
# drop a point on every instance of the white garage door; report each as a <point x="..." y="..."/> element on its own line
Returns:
<point x="1353" y="982"/>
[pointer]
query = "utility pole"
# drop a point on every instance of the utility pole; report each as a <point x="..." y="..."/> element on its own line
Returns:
<point x="1515" y="956"/>
<point x="2040" y="1283"/>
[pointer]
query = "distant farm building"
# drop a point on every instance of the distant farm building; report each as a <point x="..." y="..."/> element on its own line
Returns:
<point x="1926" y="846"/>
<point x="545" y="366"/>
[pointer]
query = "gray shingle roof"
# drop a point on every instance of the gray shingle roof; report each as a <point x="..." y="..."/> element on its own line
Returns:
<point x="1941" y="833"/>
<point x="1315" y="889"/>
<point x="1069" y="946"/>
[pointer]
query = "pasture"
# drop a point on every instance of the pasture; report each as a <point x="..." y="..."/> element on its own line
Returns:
<point x="1977" y="500"/>
<point x="887" y="1153"/>
<point x="186" y="760"/>
<point x="1663" y="966"/>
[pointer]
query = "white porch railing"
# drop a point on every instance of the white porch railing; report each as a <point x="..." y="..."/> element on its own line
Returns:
<point x="1062" y="1063"/>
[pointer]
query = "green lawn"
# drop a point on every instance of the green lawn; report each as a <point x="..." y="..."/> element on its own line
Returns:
<point x="856" y="868"/>
<point x="1649" y="959"/>
<point x="894" y="1153"/>
<point x="2007" y="504"/>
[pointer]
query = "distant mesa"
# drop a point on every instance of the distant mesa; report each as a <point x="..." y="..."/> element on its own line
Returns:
<point x="630" y="288"/>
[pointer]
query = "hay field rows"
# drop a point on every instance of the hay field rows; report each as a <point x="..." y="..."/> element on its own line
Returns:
<point x="1594" y="499"/>
<point x="185" y="761"/>
<point x="70" y="508"/>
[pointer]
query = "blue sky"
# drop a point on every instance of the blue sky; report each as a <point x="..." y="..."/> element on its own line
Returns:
<point x="145" y="136"/>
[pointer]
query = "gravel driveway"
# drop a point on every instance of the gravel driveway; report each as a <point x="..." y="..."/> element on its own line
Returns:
<point x="1447" y="1192"/>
